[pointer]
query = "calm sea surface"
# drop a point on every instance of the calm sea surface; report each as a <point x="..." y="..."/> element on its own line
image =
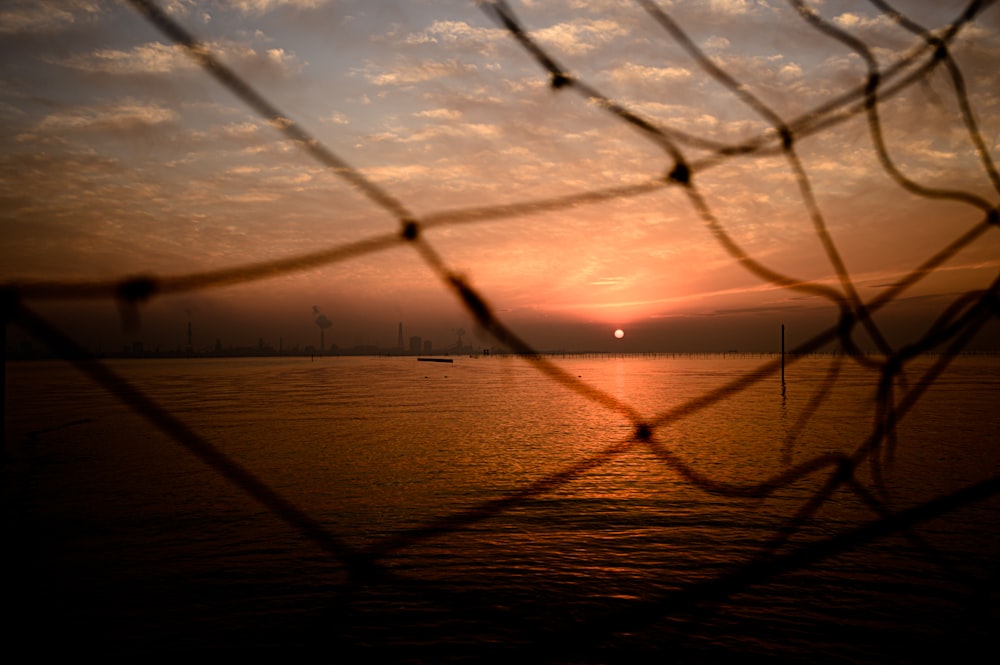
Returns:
<point x="354" y="509"/>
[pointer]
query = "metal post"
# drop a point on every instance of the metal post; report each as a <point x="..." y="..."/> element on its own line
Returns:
<point x="782" y="355"/>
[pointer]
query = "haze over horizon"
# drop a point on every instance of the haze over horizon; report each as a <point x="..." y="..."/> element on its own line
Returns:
<point x="122" y="157"/>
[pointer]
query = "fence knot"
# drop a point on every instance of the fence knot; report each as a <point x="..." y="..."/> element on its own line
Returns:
<point x="643" y="432"/>
<point x="560" y="80"/>
<point x="680" y="174"/>
<point x="137" y="289"/>
<point x="411" y="229"/>
<point x="787" y="139"/>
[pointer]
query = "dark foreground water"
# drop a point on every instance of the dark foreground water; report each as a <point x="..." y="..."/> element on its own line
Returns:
<point x="479" y="511"/>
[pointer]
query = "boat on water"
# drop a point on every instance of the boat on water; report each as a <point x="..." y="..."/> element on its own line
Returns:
<point x="436" y="360"/>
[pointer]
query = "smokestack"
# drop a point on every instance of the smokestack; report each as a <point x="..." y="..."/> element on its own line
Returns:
<point x="323" y="324"/>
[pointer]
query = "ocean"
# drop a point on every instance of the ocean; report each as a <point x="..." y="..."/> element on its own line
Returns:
<point x="347" y="509"/>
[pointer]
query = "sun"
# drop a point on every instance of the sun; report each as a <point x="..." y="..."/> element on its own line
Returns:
<point x="619" y="333"/>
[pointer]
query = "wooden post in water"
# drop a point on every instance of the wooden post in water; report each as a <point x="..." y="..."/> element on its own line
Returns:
<point x="782" y="356"/>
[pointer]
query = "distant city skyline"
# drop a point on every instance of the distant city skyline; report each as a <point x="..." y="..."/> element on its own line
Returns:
<point x="167" y="329"/>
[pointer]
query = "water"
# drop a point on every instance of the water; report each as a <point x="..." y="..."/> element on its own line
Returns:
<point x="508" y="516"/>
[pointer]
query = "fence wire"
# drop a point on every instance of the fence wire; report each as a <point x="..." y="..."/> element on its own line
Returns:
<point x="947" y="336"/>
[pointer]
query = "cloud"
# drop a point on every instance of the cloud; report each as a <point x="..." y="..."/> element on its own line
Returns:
<point x="717" y="43"/>
<point x="265" y="6"/>
<point x="151" y="58"/>
<point x="42" y="16"/>
<point x="847" y="19"/>
<point x="631" y="71"/>
<point x="455" y="32"/>
<point x="251" y="197"/>
<point x="851" y="20"/>
<point x="608" y="281"/>
<point x="580" y="37"/>
<point x="243" y="170"/>
<point x="390" y="173"/>
<point x="455" y="130"/>
<point x="791" y="70"/>
<point x="730" y="7"/>
<point x="440" y="114"/>
<point x="420" y="72"/>
<point x="125" y="115"/>
<point x="923" y="148"/>
<point x="242" y="129"/>
<point x="160" y="58"/>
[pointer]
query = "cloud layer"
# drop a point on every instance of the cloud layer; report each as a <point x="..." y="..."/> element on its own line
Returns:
<point x="123" y="156"/>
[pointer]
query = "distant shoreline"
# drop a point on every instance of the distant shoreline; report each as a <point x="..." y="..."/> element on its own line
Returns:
<point x="235" y="354"/>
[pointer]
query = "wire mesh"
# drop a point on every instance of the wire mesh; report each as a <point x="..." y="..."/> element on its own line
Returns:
<point x="687" y="158"/>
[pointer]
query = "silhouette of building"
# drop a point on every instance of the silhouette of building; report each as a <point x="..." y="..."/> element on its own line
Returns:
<point x="427" y="346"/>
<point x="415" y="344"/>
<point x="399" y="339"/>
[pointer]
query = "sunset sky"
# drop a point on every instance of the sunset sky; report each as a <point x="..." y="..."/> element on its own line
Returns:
<point x="121" y="156"/>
